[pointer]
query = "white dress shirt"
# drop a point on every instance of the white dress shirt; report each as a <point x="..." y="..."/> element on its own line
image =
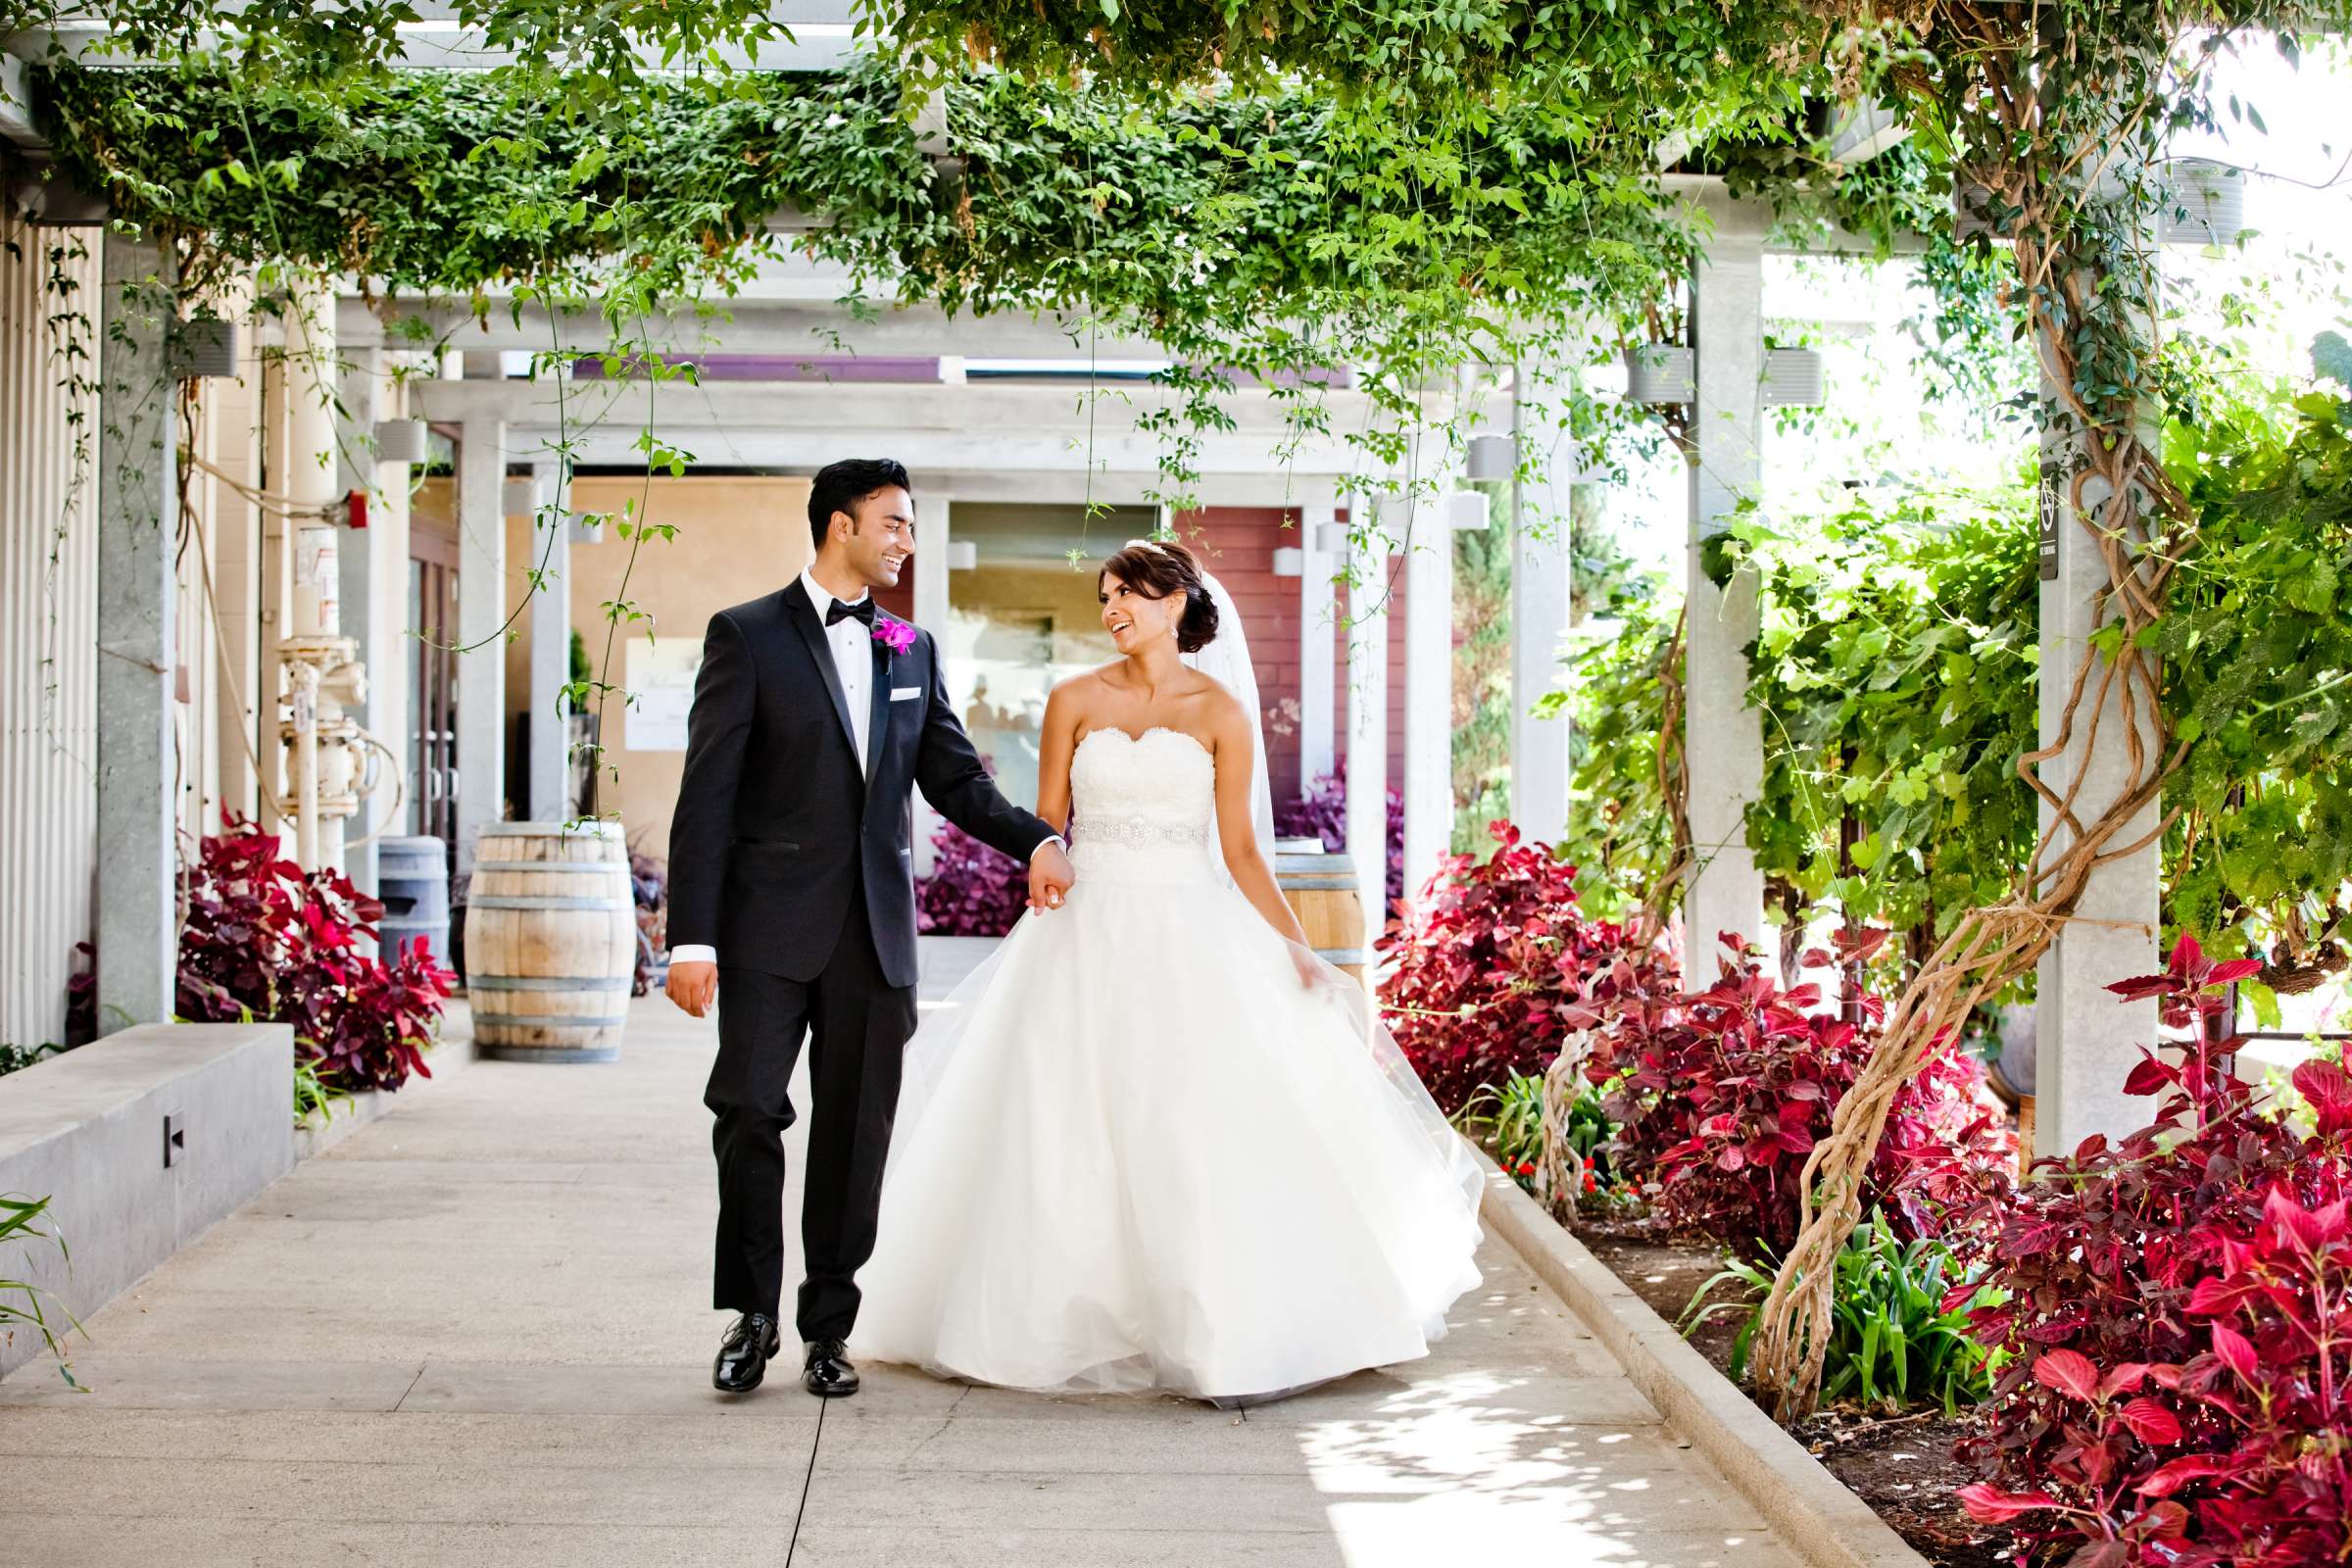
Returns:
<point x="854" y="664"/>
<point x="851" y="642"/>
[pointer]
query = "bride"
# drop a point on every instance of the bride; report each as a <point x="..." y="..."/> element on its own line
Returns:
<point x="1154" y="1142"/>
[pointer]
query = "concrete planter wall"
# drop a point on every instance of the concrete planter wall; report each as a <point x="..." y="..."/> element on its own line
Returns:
<point x="93" y="1131"/>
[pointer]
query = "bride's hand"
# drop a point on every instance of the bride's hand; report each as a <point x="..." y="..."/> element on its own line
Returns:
<point x="1309" y="968"/>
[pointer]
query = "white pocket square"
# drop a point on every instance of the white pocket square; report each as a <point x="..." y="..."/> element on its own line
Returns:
<point x="905" y="694"/>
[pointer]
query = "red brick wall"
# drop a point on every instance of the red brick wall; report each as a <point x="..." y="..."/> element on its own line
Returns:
<point x="1238" y="544"/>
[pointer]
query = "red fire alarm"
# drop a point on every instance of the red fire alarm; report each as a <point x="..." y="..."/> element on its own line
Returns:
<point x="355" y="508"/>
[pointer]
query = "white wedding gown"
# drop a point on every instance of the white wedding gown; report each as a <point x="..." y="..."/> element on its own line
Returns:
<point x="1139" y="1151"/>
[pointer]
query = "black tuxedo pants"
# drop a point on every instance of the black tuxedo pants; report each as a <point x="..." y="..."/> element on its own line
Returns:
<point x="858" y="1024"/>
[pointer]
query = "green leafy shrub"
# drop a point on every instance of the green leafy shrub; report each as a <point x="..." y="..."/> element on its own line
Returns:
<point x="1895" y="1345"/>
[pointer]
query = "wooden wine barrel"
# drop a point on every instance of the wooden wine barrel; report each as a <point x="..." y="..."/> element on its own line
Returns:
<point x="551" y="941"/>
<point x="1321" y="890"/>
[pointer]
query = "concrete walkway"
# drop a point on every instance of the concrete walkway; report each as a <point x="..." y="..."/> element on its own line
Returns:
<point x="474" y="1334"/>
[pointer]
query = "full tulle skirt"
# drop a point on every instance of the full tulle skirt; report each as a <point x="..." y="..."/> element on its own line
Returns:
<point x="1141" y="1148"/>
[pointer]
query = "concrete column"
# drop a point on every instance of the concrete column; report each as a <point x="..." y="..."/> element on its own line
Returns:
<point x="2085" y="1040"/>
<point x="482" y="610"/>
<point x="1543" y="567"/>
<point x="1318" y="673"/>
<point x="138" y="919"/>
<point x="1368" y="727"/>
<point x="1428" y="687"/>
<point x="551" y="645"/>
<point x="933" y="529"/>
<point x="1724" y="737"/>
<point x="238" y="535"/>
<point x="361" y="567"/>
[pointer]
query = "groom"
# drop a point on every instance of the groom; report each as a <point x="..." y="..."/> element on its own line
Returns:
<point x="791" y="891"/>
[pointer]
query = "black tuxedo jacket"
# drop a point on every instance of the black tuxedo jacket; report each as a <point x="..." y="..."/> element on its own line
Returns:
<point x="776" y="825"/>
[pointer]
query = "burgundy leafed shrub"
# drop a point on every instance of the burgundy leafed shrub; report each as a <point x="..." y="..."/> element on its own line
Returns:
<point x="972" y="891"/>
<point x="1719" y="1096"/>
<point x="1498" y="964"/>
<point x="265" y="941"/>
<point x="1322" y="814"/>
<point x="2178" y="1312"/>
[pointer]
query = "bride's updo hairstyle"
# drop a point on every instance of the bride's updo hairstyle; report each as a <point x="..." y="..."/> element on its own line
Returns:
<point x="1155" y="570"/>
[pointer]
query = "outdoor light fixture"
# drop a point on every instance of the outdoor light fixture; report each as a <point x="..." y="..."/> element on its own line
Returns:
<point x="205" y="346"/>
<point x="1290" y="562"/>
<point x="519" y="497"/>
<point x="963" y="555"/>
<point x="403" y="441"/>
<point x="1792" y="378"/>
<point x="1467" y="510"/>
<point x="2204" y="203"/>
<point x="1492" y="457"/>
<point x="1660" y="373"/>
<point x="1331" y="538"/>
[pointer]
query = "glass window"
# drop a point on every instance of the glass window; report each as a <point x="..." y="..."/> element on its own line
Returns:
<point x="1023" y="617"/>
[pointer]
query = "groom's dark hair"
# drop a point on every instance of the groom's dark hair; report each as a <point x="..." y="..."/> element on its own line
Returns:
<point x="840" y="486"/>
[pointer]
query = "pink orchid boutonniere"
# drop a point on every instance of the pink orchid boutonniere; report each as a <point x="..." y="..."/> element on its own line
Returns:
<point x="893" y="633"/>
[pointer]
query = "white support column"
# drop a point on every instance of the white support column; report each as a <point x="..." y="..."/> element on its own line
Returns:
<point x="2086" y="1040"/>
<point x="1318" y="673"/>
<point x="551" y="645"/>
<point x="1723" y="737"/>
<point x="481" y="610"/>
<point x="931" y="568"/>
<point x="1543" y="565"/>
<point x="1429" y="685"/>
<point x="1368" y="728"/>
<point x="138" y="934"/>
<point x="362" y="565"/>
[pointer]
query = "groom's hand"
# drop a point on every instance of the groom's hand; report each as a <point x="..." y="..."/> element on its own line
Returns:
<point x="1050" y="876"/>
<point x="693" y="986"/>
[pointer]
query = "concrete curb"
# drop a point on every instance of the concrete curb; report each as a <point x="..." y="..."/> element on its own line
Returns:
<point x="454" y="1052"/>
<point x="1810" y="1509"/>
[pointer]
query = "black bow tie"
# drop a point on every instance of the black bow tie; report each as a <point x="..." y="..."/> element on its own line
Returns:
<point x="863" y="610"/>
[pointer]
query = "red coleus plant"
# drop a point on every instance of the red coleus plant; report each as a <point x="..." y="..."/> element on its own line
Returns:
<point x="1497" y="966"/>
<point x="2178" y="1311"/>
<point x="1719" y="1095"/>
<point x="265" y="939"/>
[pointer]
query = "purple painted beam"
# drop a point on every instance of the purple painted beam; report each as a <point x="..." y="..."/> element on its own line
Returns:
<point x="783" y="368"/>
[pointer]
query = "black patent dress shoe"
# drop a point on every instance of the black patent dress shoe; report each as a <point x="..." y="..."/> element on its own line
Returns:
<point x="827" y="1372"/>
<point x="743" y="1356"/>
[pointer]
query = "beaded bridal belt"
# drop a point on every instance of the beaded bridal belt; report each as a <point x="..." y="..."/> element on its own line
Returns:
<point x="1140" y="832"/>
<point x="1143" y="850"/>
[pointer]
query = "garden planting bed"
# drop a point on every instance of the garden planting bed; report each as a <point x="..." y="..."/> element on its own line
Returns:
<point x="1901" y="1466"/>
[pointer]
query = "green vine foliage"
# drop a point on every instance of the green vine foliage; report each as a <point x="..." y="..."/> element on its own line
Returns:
<point x="2258" y="654"/>
<point x="1266" y="236"/>
<point x="1617" y="63"/>
<point x="1617" y="820"/>
<point x="1894" y="669"/>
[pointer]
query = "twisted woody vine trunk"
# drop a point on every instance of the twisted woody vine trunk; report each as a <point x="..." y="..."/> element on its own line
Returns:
<point x="2049" y="120"/>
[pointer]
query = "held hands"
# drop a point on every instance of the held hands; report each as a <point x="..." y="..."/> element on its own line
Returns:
<point x="1050" y="875"/>
<point x="693" y="986"/>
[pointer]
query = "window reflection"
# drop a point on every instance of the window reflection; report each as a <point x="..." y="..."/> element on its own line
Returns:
<point x="1023" y="617"/>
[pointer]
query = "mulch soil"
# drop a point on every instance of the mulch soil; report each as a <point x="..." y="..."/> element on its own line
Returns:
<point x="1901" y="1466"/>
